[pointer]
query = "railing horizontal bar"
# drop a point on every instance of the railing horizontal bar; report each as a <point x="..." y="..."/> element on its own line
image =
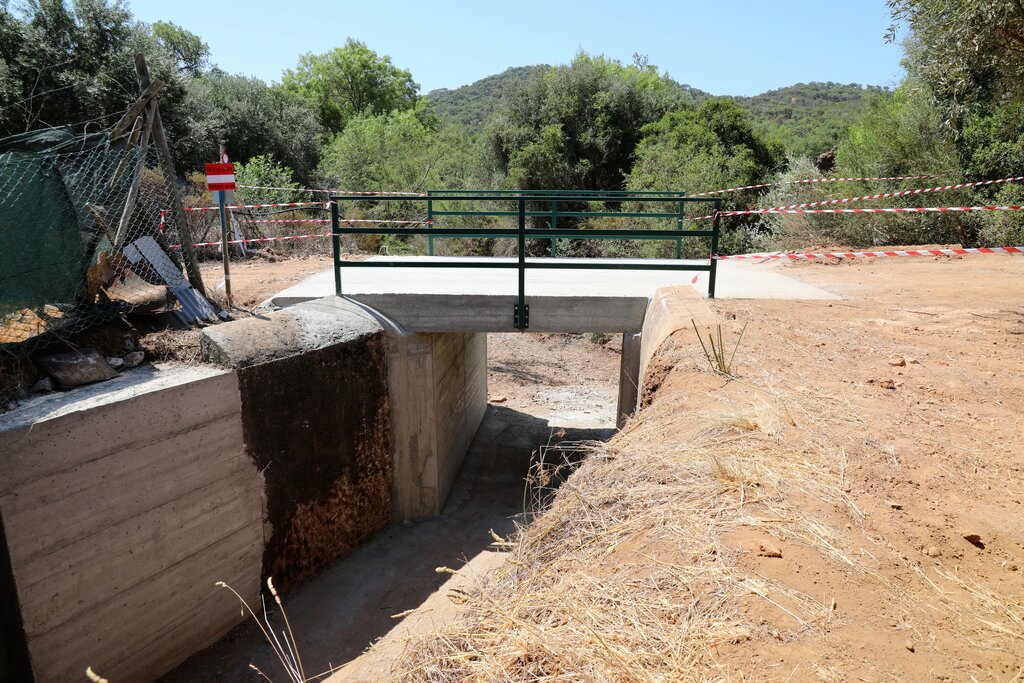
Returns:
<point x="560" y="193"/>
<point x="592" y="265"/>
<point x="496" y="198"/>
<point x="427" y="264"/>
<point x="548" y="214"/>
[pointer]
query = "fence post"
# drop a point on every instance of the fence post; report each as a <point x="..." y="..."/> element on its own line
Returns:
<point x="430" y="224"/>
<point x="713" y="267"/>
<point x="336" y="246"/>
<point x="554" y="226"/>
<point x="679" y="226"/>
<point x="522" y="313"/>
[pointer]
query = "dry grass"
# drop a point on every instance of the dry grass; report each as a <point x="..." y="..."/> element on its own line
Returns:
<point x="640" y="569"/>
<point x="585" y="596"/>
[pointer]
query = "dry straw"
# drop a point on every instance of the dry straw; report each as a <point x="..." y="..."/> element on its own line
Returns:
<point x="630" y="573"/>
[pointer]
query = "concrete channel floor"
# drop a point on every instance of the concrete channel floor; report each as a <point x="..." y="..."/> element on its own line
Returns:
<point x="340" y="612"/>
<point x="735" y="280"/>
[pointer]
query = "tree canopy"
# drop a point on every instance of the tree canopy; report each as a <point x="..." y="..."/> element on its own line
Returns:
<point x="349" y="81"/>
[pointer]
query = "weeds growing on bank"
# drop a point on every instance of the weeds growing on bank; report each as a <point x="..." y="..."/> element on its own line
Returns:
<point x="718" y="358"/>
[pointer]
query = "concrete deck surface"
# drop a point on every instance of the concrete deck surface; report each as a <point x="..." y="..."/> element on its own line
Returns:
<point x="736" y="280"/>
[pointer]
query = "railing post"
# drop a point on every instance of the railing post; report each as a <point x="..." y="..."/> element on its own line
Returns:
<point x="554" y="226"/>
<point x="522" y="313"/>
<point x="336" y="245"/>
<point x="713" y="267"/>
<point x="679" y="226"/>
<point x="430" y="222"/>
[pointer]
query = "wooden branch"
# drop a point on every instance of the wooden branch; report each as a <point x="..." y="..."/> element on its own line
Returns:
<point x="128" y="120"/>
<point x="171" y="179"/>
<point x="133" y="189"/>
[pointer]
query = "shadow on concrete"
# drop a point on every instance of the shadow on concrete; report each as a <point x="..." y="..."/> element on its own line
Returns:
<point x="337" y="614"/>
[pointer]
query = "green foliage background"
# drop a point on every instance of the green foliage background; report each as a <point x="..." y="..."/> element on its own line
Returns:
<point x="351" y="118"/>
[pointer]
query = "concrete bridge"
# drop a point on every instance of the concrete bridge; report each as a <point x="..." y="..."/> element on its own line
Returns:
<point x="311" y="429"/>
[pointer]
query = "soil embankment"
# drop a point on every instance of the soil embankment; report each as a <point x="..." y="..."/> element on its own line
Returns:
<point x="849" y="507"/>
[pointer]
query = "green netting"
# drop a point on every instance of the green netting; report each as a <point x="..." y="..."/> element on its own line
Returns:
<point x="48" y="236"/>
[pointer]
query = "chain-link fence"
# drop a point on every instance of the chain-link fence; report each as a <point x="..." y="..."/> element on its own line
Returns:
<point x="86" y="235"/>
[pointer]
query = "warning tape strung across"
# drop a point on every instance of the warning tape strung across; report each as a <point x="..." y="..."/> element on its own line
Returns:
<point x="329" y="191"/>
<point x="342" y="220"/>
<point x="811" y="181"/>
<point x="920" y="209"/>
<point x="871" y="254"/>
<point x="254" y="239"/>
<point x="322" y="205"/>
<point x="887" y="195"/>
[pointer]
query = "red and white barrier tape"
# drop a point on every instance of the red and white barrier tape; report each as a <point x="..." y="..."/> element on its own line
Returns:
<point x="898" y="209"/>
<point x="871" y="254"/>
<point x="323" y="205"/>
<point x="330" y="191"/>
<point x="811" y="181"/>
<point x="887" y="195"/>
<point x="255" y="239"/>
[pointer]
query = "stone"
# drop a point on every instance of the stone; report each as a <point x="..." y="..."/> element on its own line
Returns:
<point x="933" y="551"/>
<point x="887" y="384"/>
<point x="77" y="368"/>
<point x="134" y="359"/>
<point x="768" y="550"/>
<point x="115" y="361"/>
<point x="42" y="386"/>
<point x="974" y="539"/>
<point x="499" y="399"/>
<point x="909" y="645"/>
<point x="898" y="362"/>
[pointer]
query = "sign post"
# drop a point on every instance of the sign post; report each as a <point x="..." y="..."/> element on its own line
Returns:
<point x="220" y="178"/>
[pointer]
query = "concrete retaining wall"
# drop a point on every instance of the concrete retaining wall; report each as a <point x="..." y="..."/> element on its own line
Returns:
<point x="438" y="385"/>
<point x="121" y="509"/>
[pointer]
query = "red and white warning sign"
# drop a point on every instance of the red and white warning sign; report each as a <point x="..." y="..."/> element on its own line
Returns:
<point x="220" y="177"/>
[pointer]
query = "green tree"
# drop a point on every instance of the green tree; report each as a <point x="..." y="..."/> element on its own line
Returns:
<point x="585" y="118"/>
<point x="397" y="151"/>
<point x="192" y="53"/>
<point x="697" y="149"/>
<point x="264" y="172"/>
<point x="350" y="81"/>
<point x="968" y="52"/>
<point x="73" y="64"/>
<point x="249" y="119"/>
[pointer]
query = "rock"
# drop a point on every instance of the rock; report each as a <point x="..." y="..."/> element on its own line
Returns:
<point x="115" y="361"/>
<point x="134" y="359"/>
<point x="43" y="386"/>
<point x="77" y="368"/>
<point x="499" y="399"/>
<point x="913" y="361"/>
<point x="909" y="645"/>
<point x="933" y="551"/>
<point x="898" y="362"/>
<point x="894" y="505"/>
<point x="887" y="384"/>
<point x="975" y="540"/>
<point x="768" y="550"/>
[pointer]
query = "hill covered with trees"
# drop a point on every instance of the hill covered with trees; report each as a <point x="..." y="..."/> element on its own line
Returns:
<point x="351" y="118"/>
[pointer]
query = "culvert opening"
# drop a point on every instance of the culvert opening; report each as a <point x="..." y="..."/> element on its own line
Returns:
<point x="547" y="394"/>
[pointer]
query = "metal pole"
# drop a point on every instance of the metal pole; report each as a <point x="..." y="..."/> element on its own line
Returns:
<point x="336" y="247"/>
<point x="679" y="226"/>
<point x="713" y="268"/>
<point x="430" y="221"/>
<point x="224" y="245"/>
<point x="521" y="317"/>
<point x="554" y="226"/>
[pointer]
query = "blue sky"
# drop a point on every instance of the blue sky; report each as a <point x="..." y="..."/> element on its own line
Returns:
<point x="727" y="47"/>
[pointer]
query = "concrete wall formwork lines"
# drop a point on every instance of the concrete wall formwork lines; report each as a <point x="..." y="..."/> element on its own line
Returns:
<point x="438" y="385"/>
<point x="119" y="519"/>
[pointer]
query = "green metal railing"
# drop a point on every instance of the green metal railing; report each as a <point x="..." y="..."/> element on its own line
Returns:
<point x="521" y="205"/>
